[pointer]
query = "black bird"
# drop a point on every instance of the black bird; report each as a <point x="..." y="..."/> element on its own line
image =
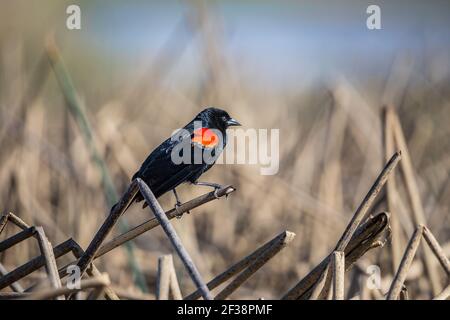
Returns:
<point x="205" y="135"/>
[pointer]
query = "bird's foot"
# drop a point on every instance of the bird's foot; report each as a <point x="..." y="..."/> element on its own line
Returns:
<point x="216" y="187"/>
<point x="216" y="195"/>
<point x="179" y="211"/>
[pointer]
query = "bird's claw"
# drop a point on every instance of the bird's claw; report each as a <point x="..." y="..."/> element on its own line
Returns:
<point x="216" y="195"/>
<point x="178" y="211"/>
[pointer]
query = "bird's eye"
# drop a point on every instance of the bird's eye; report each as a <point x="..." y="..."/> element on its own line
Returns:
<point x="224" y="118"/>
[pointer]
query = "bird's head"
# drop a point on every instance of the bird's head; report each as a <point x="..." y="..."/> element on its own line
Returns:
<point x="217" y="118"/>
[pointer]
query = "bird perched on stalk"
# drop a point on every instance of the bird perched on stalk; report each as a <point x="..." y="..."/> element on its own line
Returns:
<point x="187" y="154"/>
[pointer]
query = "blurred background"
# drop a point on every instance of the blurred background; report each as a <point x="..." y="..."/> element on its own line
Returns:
<point x="141" y="69"/>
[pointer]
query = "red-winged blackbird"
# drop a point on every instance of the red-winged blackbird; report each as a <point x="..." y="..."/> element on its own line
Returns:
<point x="205" y="135"/>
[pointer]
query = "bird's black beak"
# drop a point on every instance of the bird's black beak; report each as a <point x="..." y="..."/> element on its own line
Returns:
<point x="232" y="122"/>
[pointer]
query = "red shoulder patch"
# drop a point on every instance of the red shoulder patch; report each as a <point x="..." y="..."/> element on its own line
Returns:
<point x="205" y="137"/>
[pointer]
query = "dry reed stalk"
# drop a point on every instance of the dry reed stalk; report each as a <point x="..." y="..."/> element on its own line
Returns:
<point x="174" y="286"/>
<point x="16" y="287"/>
<point x="367" y="202"/>
<point x="45" y="248"/>
<point x="358" y="216"/>
<point x="34" y="264"/>
<point x="240" y="265"/>
<point x="67" y="246"/>
<point x="338" y="267"/>
<point x="389" y="147"/>
<point x="152" y="223"/>
<point x="167" y="282"/>
<point x="366" y="237"/>
<point x="404" y="294"/>
<point x="330" y="184"/>
<point x="97" y="282"/>
<point x="408" y="256"/>
<point x="320" y="284"/>
<point x="127" y="295"/>
<point x="50" y="262"/>
<point x="116" y="211"/>
<point x="173" y="237"/>
<point x="33" y="87"/>
<point x="437" y="250"/>
<point x="163" y="277"/>
<point x="14" y="219"/>
<point x="261" y="260"/>
<point x="17" y="238"/>
<point x="95" y="294"/>
<point x="414" y="196"/>
<point x="444" y="294"/>
<point x="73" y="103"/>
<point x="92" y="271"/>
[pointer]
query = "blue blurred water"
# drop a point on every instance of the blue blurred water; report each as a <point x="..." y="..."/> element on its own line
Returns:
<point x="284" y="41"/>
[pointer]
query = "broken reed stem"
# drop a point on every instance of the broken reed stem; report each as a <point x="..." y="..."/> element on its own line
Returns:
<point x="261" y="260"/>
<point x="408" y="256"/>
<point x="14" y="219"/>
<point x="97" y="282"/>
<point x="338" y="267"/>
<point x="238" y="266"/>
<point x="364" y="239"/>
<point x="50" y="262"/>
<point x="367" y="202"/>
<point x="152" y="223"/>
<point x="166" y="281"/>
<point x="173" y="237"/>
<point x="444" y="294"/>
<point x="108" y="224"/>
<point x="163" y="277"/>
<point x="437" y="250"/>
<point x="174" y="285"/>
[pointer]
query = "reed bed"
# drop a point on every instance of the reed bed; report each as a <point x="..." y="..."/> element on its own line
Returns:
<point x="363" y="183"/>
